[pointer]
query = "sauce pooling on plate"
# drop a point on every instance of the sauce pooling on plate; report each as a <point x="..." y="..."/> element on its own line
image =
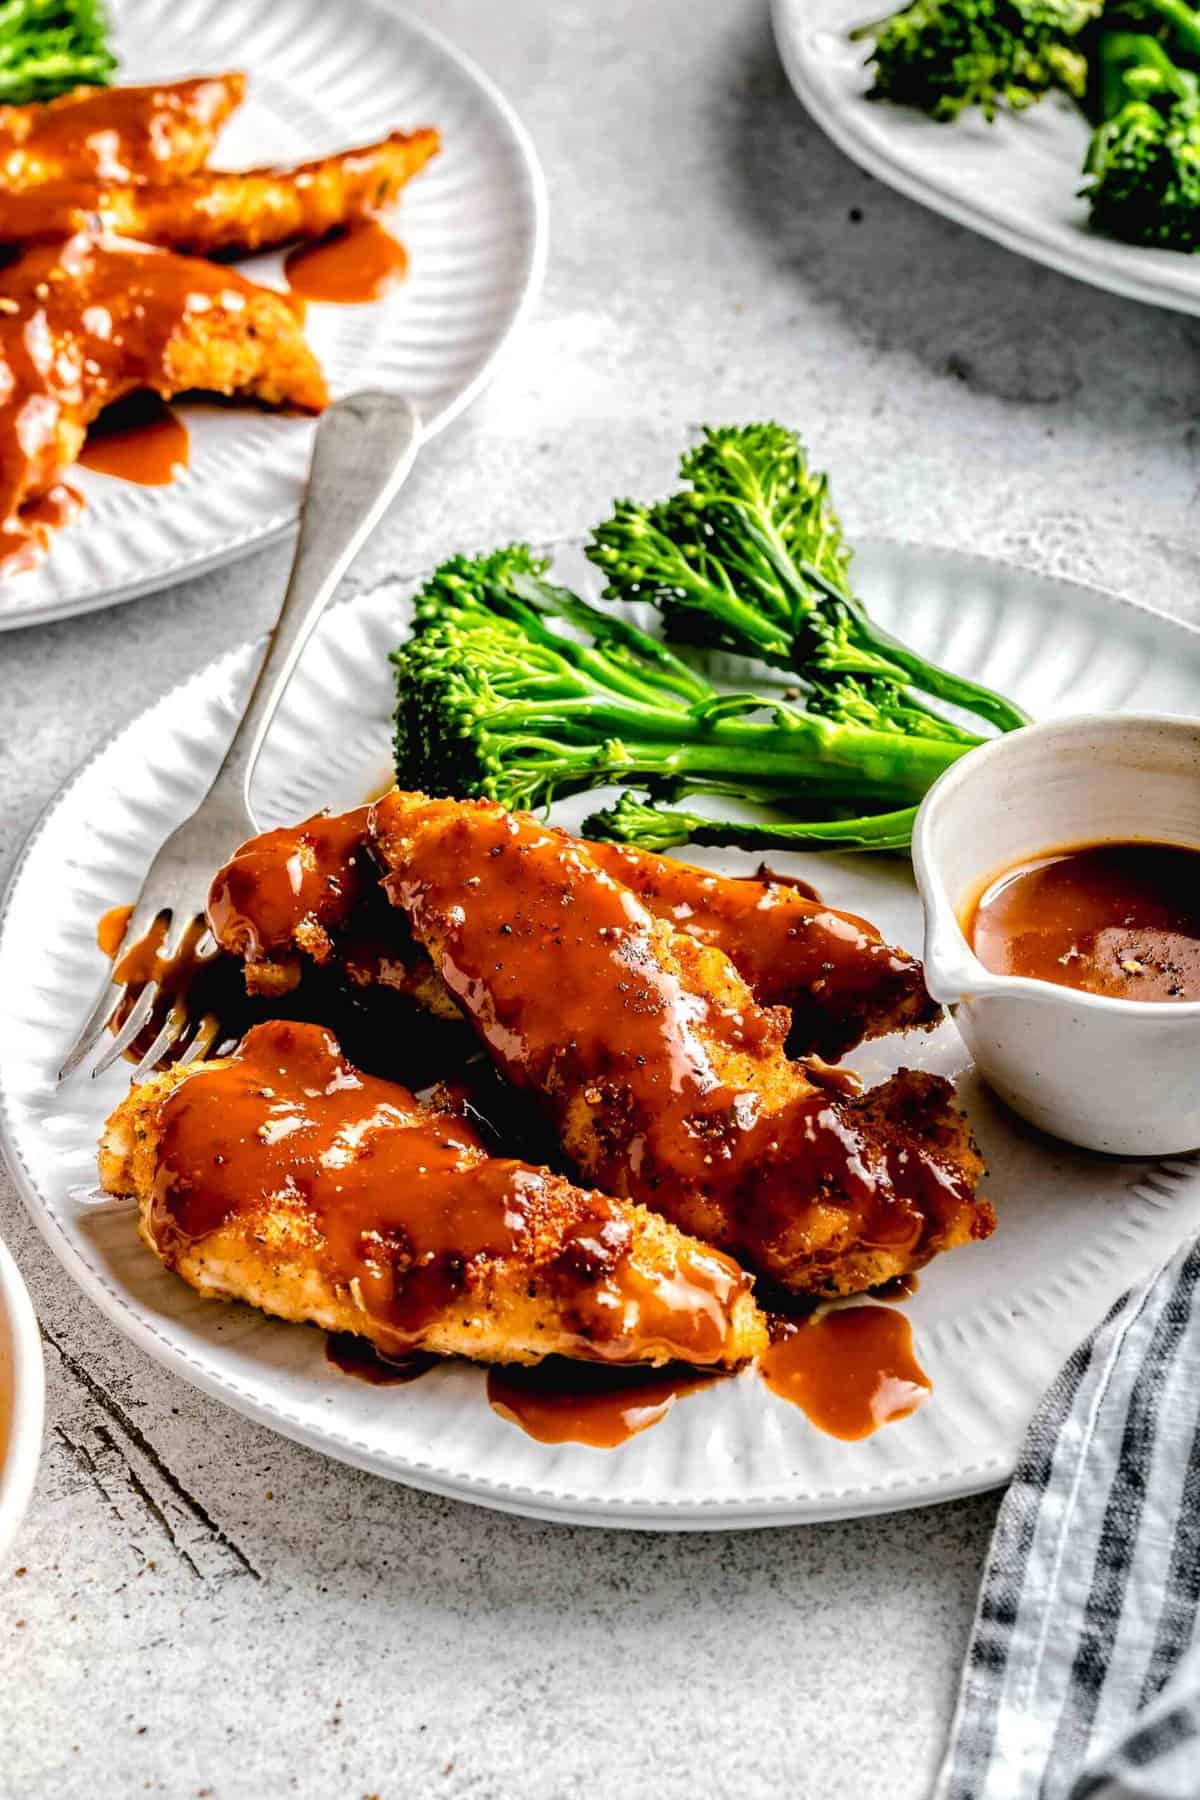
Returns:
<point x="562" y="1402"/>
<point x="352" y="266"/>
<point x="1118" y="919"/>
<point x="25" y="538"/>
<point x="849" y="1371"/>
<point x="357" y="1356"/>
<point x="138" y="439"/>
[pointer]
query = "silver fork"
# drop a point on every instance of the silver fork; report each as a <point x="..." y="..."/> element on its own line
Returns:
<point x="364" y="448"/>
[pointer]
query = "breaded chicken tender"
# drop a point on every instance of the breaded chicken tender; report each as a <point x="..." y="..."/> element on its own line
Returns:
<point x="311" y="891"/>
<point x="216" y="211"/>
<point x="153" y="133"/>
<point x="86" y="321"/>
<point x="283" y="1177"/>
<point x="664" y="1079"/>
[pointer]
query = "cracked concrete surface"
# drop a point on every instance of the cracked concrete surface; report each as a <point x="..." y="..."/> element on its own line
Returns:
<point x="196" y="1607"/>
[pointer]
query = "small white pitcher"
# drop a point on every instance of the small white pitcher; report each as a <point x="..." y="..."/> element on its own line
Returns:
<point x="1121" y="1076"/>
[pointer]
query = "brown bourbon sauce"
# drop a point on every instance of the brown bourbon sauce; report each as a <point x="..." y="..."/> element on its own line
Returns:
<point x="562" y="1402"/>
<point x="900" y="1287"/>
<point x="355" y="264"/>
<point x="358" y="1357"/>
<point x="1118" y="919"/>
<point x="849" y="1370"/>
<point x="111" y="929"/>
<point x="25" y="538"/>
<point x="138" y="439"/>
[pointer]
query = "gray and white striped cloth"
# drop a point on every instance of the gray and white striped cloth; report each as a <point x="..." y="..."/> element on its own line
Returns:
<point x="1082" y="1681"/>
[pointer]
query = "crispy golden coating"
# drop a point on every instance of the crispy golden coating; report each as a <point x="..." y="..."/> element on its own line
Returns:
<point x="85" y="321"/>
<point x="664" y="1078"/>
<point x="153" y="133"/>
<point x="285" y="1178"/>
<point x="311" y="890"/>
<point x="214" y="211"/>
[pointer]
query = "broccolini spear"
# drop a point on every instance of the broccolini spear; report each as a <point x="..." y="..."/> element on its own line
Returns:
<point x="517" y="690"/>
<point x="749" y="557"/>
<point x="1143" y="164"/>
<point x="660" y="828"/>
<point x="944" y="56"/>
<point x="50" y="46"/>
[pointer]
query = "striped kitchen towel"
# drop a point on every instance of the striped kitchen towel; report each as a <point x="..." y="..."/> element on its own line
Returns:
<point x="1082" y="1681"/>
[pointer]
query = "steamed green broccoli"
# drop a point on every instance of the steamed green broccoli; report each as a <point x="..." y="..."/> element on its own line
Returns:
<point x="517" y="690"/>
<point x="50" y="46"/>
<point x="944" y="56"/>
<point x="1143" y="165"/>
<point x="749" y="557"/>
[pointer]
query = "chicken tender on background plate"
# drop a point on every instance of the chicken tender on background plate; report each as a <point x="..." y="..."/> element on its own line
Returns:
<point x="283" y="1177"/>
<point x="215" y="211"/>
<point x="85" y="321"/>
<point x="152" y="133"/>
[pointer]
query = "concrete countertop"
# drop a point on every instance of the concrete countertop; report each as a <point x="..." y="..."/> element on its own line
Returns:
<point x="195" y="1607"/>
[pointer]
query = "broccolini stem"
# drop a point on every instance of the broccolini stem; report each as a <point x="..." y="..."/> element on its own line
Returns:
<point x="614" y="633"/>
<point x="1182" y="19"/>
<point x="794" y="750"/>
<point x="657" y="828"/>
<point x="942" y="683"/>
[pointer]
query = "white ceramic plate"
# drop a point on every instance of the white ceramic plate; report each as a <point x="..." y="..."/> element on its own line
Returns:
<point x="1016" y="180"/>
<point x="992" y="1322"/>
<point x="321" y="78"/>
<point x="22" y="1385"/>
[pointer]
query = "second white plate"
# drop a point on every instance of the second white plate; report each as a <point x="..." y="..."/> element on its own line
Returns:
<point x="993" y="1322"/>
<point x="320" y="78"/>
<point x="1016" y="180"/>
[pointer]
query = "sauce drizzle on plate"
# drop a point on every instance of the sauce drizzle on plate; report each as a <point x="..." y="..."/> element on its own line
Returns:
<point x="561" y="1402"/>
<point x="357" y="1356"/>
<point x="139" y="439"/>
<point x="849" y="1370"/>
<point x="25" y="539"/>
<point x="352" y="266"/>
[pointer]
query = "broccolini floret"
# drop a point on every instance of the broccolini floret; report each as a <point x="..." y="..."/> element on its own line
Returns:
<point x="50" y="46"/>
<point x="519" y="691"/>
<point x="945" y="56"/>
<point x="1143" y="164"/>
<point x="749" y="557"/>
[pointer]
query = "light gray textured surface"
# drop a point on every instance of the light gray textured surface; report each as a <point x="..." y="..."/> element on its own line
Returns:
<point x="197" y="1607"/>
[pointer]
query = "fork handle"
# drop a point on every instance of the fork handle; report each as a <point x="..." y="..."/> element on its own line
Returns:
<point x="364" y="447"/>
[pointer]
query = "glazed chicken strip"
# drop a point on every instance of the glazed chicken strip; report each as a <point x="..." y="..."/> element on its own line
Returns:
<point x="214" y="211"/>
<point x="311" y="890"/>
<point x="664" y="1079"/>
<point x="838" y="977"/>
<point x="86" y="321"/>
<point x="154" y="133"/>
<point x="283" y="1177"/>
